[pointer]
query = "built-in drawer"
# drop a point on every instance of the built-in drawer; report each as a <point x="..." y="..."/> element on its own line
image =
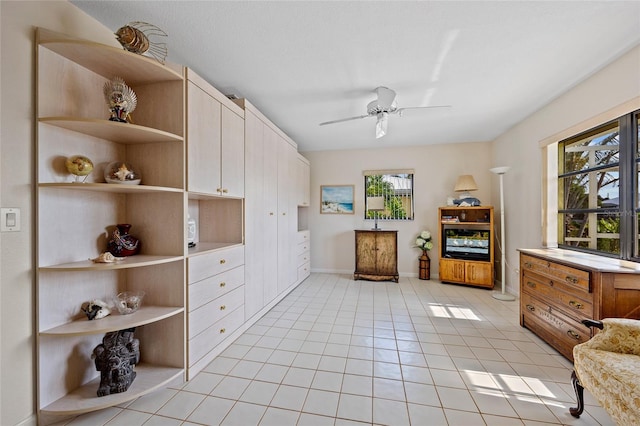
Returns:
<point x="212" y="263"/>
<point x="303" y="247"/>
<point x="202" y="318"/>
<point x="304" y="271"/>
<point x="206" y="341"/>
<point x="303" y="258"/>
<point x="204" y="291"/>
<point x="576" y="303"/>
<point x="572" y="276"/>
<point x="303" y="236"/>
<point x="559" y="330"/>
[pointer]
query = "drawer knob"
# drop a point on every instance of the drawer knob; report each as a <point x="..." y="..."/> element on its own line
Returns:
<point x="572" y="279"/>
<point x="528" y="265"/>
<point x="573" y="334"/>
<point x="222" y="261"/>
<point x="225" y="190"/>
<point x="531" y="308"/>
<point x="530" y="284"/>
<point x="222" y="284"/>
<point x="222" y="330"/>
<point x="576" y="305"/>
<point x="223" y="307"/>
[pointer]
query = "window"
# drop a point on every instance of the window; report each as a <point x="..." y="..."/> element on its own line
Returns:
<point x="396" y="189"/>
<point x="598" y="181"/>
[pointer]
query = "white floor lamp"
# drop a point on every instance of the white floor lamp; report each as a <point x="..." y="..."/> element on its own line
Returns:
<point x="503" y="295"/>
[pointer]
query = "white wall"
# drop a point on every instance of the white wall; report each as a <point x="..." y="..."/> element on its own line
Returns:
<point x="519" y="148"/>
<point x="17" y="301"/>
<point x="436" y="169"/>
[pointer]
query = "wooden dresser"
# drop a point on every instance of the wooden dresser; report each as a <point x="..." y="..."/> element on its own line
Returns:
<point x="376" y="255"/>
<point x="559" y="288"/>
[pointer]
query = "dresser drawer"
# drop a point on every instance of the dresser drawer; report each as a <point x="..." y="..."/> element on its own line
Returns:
<point x="303" y="236"/>
<point x="206" y="341"/>
<point x="559" y="330"/>
<point x="575" y="303"/>
<point x="572" y="276"/>
<point x="304" y="271"/>
<point x="203" y="317"/>
<point x="204" y="291"/>
<point x="303" y="258"/>
<point x="212" y="263"/>
<point x="303" y="247"/>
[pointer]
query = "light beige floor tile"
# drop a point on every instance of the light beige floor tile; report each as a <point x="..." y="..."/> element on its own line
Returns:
<point x="388" y="412"/>
<point x="426" y="415"/>
<point x="289" y="397"/>
<point x="321" y="402"/>
<point x="355" y="408"/>
<point x="259" y="393"/>
<point x="279" y="417"/>
<point x="299" y="377"/>
<point x="388" y="389"/>
<point x="181" y="405"/>
<point x="243" y="414"/>
<point x="211" y="411"/>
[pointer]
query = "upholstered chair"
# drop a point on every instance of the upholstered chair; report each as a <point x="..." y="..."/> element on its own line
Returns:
<point x="608" y="366"/>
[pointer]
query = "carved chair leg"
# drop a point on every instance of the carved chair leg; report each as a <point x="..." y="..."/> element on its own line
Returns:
<point x="577" y="387"/>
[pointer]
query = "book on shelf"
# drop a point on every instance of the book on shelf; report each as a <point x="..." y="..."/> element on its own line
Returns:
<point x="449" y="219"/>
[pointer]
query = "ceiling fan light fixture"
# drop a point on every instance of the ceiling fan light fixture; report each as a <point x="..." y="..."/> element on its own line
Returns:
<point x="381" y="124"/>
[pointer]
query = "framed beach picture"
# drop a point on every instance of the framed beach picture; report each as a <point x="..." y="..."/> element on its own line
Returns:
<point x="336" y="199"/>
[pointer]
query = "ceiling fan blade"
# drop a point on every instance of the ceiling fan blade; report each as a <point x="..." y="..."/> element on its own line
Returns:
<point x="386" y="97"/>
<point x="399" y="111"/>
<point x="345" y="119"/>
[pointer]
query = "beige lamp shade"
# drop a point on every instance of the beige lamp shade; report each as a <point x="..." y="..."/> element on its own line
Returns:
<point x="375" y="203"/>
<point x="465" y="183"/>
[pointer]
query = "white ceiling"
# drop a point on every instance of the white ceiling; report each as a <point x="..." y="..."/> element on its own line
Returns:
<point x="306" y="62"/>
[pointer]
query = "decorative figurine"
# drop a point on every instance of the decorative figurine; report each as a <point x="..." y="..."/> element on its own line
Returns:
<point x="114" y="359"/>
<point x="120" y="99"/>
<point x="95" y="309"/>
<point x="79" y="165"/>
<point x="134" y="37"/>
<point x="123" y="244"/>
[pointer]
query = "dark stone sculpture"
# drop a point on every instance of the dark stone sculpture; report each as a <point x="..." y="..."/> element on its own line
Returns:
<point x="115" y="358"/>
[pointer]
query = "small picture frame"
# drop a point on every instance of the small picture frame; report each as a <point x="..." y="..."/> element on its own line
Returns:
<point x="336" y="199"/>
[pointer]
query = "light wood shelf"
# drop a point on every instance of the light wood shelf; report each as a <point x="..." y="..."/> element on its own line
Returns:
<point x="108" y="187"/>
<point x="206" y="247"/>
<point x="114" y="322"/>
<point x="107" y="60"/>
<point x="84" y="399"/>
<point x="137" y="261"/>
<point x="126" y="133"/>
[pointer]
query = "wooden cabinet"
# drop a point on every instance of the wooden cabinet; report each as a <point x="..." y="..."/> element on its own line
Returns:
<point x="560" y="288"/>
<point x="376" y="255"/>
<point x="215" y="140"/>
<point x="74" y="220"/>
<point x="466" y="245"/>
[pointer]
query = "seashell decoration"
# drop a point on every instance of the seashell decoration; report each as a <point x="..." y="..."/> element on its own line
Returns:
<point x="134" y="37"/>
<point x="120" y="98"/>
<point x="95" y="309"/>
<point x="106" y="257"/>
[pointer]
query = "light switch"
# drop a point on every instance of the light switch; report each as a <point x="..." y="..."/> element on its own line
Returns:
<point x="9" y="219"/>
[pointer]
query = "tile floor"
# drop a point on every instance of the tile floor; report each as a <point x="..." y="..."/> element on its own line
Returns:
<point x="342" y="352"/>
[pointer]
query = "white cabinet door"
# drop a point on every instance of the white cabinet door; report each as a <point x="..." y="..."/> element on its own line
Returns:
<point x="255" y="217"/>
<point x="232" y="167"/>
<point x="204" y="141"/>
<point x="287" y="218"/>
<point x="270" y="212"/>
